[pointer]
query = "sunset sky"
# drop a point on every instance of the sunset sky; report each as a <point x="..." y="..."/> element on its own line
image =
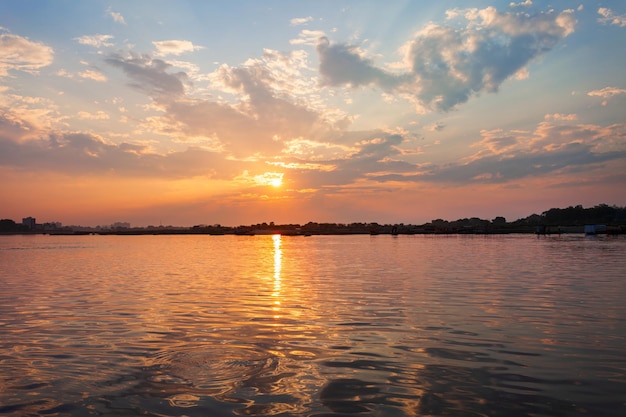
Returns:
<point x="239" y="112"/>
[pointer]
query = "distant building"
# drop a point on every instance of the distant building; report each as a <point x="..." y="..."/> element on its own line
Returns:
<point x="52" y="225"/>
<point x="120" y="225"/>
<point x="29" y="222"/>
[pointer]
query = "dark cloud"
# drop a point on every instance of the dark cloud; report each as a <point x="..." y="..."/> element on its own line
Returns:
<point x="448" y="65"/>
<point x="86" y="154"/>
<point x="150" y="75"/>
<point x="341" y="64"/>
<point x="546" y="156"/>
<point x="381" y="146"/>
<point x="373" y="155"/>
<point x="552" y="149"/>
<point x="574" y="157"/>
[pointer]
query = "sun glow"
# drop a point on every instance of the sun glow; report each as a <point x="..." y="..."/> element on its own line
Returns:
<point x="276" y="182"/>
<point x="275" y="179"/>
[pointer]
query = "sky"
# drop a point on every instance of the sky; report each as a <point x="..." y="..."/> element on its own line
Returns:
<point x="240" y="112"/>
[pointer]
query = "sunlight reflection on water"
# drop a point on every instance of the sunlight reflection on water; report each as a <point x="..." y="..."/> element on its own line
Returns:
<point x="322" y="325"/>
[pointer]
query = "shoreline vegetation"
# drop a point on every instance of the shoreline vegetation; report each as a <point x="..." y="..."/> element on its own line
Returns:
<point x="600" y="219"/>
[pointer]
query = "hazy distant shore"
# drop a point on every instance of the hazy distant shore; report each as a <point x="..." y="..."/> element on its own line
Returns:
<point x="383" y="230"/>
<point x="600" y="219"/>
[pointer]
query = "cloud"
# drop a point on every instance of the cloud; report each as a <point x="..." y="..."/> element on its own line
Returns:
<point x="97" y="41"/>
<point x="84" y="154"/>
<point x="28" y="116"/>
<point x="297" y="21"/>
<point x="316" y="156"/>
<point x="93" y="75"/>
<point x="64" y="73"/>
<point x="265" y="127"/>
<point x="150" y="75"/>
<point x="264" y="122"/>
<point x="174" y="47"/>
<point x="308" y="37"/>
<point x="447" y="65"/>
<point x="559" y="149"/>
<point x="265" y="108"/>
<point x="364" y="155"/>
<point x="607" y="92"/>
<point x="497" y="142"/>
<point x="117" y="17"/>
<point x="258" y="123"/>
<point x="499" y="169"/>
<point x="559" y="116"/>
<point x="100" y="115"/>
<point x="525" y="3"/>
<point x="268" y="124"/>
<point x="345" y="64"/>
<point x="552" y="148"/>
<point x="87" y="74"/>
<point x="20" y="54"/>
<point x="609" y="18"/>
<point x="435" y="127"/>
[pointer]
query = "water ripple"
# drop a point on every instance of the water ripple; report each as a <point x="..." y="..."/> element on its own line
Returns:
<point x="215" y="368"/>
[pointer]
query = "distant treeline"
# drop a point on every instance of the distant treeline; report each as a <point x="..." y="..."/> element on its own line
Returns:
<point x="577" y="216"/>
<point x="562" y="219"/>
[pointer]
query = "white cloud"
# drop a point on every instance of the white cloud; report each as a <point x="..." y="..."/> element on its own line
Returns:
<point x="608" y="17"/>
<point x="117" y="17"/>
<point x="26" y="117"/>
<point x="100" y="115"/>
<point x="308" y="37"/>
<point x="97" y="41"/>
<point x="87" y="74"/>
<point x="93" y="75"/>
<point x="435" y="127"/>
<point x="607" y="92"/>
<point x="297" y="21"/>
<point x="64" y="73"/>
<point x="18" y="53"/>
<point x="174" y="47"/>
<point x="526" y="3"/>
<point x="563" y="117"/>
<point x="265" y="109"/>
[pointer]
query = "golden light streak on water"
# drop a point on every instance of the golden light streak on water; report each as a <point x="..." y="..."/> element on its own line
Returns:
<point x="278" y="255"/>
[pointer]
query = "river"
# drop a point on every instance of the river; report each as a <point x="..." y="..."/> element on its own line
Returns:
<point x="198" y="325"/>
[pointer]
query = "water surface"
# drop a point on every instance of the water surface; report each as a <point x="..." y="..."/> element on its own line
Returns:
<point x="509" y="325"/>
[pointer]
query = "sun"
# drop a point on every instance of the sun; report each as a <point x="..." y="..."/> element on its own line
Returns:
<point x="276" y="182"/>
